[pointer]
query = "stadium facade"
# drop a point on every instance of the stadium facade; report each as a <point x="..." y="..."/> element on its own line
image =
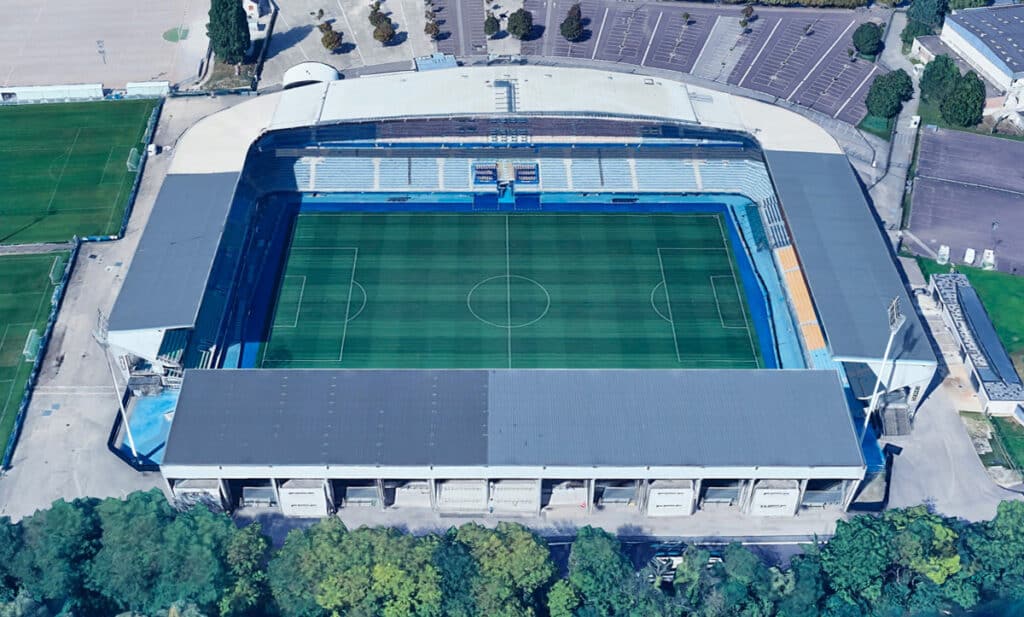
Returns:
<point x="512" y="441"/>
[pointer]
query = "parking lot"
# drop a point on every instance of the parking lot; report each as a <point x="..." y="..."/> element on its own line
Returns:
<point x="101" y="41"/>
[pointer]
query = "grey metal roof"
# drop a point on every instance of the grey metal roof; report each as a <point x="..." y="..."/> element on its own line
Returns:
<point x="847" y="261"/>
<point x="165" y="283"/>
<point x="1000" y="28"/>
<point x="739" y="418"/>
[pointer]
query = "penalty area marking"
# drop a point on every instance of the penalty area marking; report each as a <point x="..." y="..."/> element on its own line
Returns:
<point x="718" y="306"/>
<point x="298" y="305"/>
<point x="736" y="283"/>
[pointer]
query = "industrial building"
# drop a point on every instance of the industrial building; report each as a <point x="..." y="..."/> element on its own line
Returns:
<point x="506" y="441"/>
<point x="990" y="40"/>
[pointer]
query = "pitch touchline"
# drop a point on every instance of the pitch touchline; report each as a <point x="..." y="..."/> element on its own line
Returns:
<point x="736" y="282"/>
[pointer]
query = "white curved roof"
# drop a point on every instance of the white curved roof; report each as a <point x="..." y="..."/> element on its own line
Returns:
<point x="305" y="72"/>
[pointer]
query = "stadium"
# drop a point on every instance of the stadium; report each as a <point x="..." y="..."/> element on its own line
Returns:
<point x="512" y="291"/>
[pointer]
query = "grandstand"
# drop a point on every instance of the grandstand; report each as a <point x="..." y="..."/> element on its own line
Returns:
<point x="410" y="278"/>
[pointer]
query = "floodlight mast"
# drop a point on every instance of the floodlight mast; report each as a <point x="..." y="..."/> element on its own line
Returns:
<point x="100" y="336"/>
<point x="896" y="321"/>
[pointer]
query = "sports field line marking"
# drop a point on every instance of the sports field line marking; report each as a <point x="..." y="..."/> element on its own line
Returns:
<point x="668" y="303"/>
<point x="110" y="153"/>
<point x="348" y="304"/>
<point x="63" y="169"/>
<point x="508" y="293"/>
<point x="721" y="317"/>
<point x="298" y="306"/>
<point x="10" y="392"/>
<point x="736" y="282"/>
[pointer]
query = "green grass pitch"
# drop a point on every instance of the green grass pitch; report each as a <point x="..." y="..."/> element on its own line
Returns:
<point x="63" y="168"/>
<point x="510" y="291"/>
<point x="25" y="294"/>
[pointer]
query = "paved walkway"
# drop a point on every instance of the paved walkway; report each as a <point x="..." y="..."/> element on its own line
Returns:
<point x="887" y="192"/>
<point x="35" y="249"/>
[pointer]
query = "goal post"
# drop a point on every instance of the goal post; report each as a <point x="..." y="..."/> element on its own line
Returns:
<point x="134" y="159"/>
<point x="57" y="270"/>
<point x="32" y="342"/>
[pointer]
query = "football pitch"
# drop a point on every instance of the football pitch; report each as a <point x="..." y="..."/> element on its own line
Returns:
<point x="510" y="291"/>
<point x="64" y="168"/>
<point x="25" y="293"/>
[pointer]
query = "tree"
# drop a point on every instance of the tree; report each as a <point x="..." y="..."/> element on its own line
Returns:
<point x="914" y="29"/>
<point x="384" y="32"/>
<point x="329" y="37"/>
<point x="572" y="25"/>
<point x="10" y="546"/>
<point x="432" y="30"/>
<point x="562" y="599"/>
<point x="193" y="564"/>
<point x="246" y="558"/>
<point x="296" y="571"/>
<point x="491" y="24"/>
<point x="520" y="23"/>
<point x="598" y="571"/>
<point x="127" y="566"/>
<point x="888" y="92"/>
<point x="966" y="102"/>
<point x="458" y="572"/>
<point x="686" y="19"/>
<point x="376" y="16"/>
<point x="867" y="38"/>
<point x="747" y="11"/>
<point x="57" y="545"/>
<point x="744" y="22"/>
<point x="857" y="557"/>
<point x="939" y="78"/>
<point x="514" y="566"/>
<point x="928" y="12"/>
<point x="228" y="31"/>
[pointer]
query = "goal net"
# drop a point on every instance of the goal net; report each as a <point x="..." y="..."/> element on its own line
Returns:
<point x="134" y="158"/>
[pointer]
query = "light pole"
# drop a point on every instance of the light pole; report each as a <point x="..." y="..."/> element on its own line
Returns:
<point x="99" y="335"/>
<point x="896" y="321"/>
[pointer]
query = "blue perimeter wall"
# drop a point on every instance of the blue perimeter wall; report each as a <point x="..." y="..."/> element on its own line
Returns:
<point x="758" y="300"/>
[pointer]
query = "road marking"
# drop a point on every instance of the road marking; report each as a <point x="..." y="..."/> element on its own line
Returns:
<point x="654" y="33"/>
<point x="820" y="60"/>
<point x="866" y="78"/>
<point x="707" y="41"/>
<point x="759" y="52"/>
<point x="597" y="41"/>
<point x="349" y="26"/>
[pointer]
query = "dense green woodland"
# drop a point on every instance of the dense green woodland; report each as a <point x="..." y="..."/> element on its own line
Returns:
<point x="140" y="556"/>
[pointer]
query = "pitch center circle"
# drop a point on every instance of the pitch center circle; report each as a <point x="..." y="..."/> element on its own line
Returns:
<point x="508" y="301"/>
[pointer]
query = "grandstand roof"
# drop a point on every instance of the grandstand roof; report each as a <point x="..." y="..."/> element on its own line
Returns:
<point x="168" y="273"/>
<point x="612" y="418"/>
<point x="845" y="257"/>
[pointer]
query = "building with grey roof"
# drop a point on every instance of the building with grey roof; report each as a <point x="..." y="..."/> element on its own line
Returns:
<point x="993" y="374"/>
<point x="627" y="432"/>
<point x="991" y="40"/>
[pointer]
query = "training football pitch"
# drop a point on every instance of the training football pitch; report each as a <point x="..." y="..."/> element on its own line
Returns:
<point x="25" y="293"/>
<point x="64" y="168"/>
<point x="511" y="291"/>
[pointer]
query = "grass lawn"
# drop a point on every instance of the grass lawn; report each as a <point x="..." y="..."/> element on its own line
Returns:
<point x="67" y="165"/>
<point x="25" y="294"/>
<point x="880" y="127"/>
<point x="1003" y="295"/>
<point x="1011" y="434"/>
<point x="930" y="114"/>
<point x="413" y="290"/>
<point x="223" y="77"/>
<point x="978" y="425"/>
